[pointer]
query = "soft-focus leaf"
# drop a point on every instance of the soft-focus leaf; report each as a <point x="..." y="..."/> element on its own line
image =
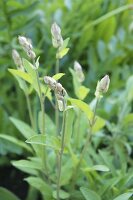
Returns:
<point x="24" y="128"/>
<point x="49" y="141"/>
<point x="15" y="141"/>
<point x="7" y="195"/>
<point x="124" y="196"/>
<point x="40" y="185"/>
<point x="89" y="194"/>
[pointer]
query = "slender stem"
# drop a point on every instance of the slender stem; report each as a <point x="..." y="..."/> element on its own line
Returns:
<point x="42" y="98"/>
<point x="29" y="109"/>
<point x="56" y="116"/>
<point x="88" y="140"/>
<point x="56" y="103"/>
<point x="59" y="156"/>
<point x="42" y="103"/>
<point x="57" y="66"/>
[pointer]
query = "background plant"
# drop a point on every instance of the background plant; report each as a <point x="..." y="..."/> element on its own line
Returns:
<point x="98" y="51"/>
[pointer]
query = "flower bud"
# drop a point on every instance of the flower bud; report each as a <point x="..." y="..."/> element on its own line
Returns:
<point x="25" y="43"/>
<point x="102" y="86"/>
<point x="79" y="71"/>
<point x="50" y="82"/>
<point x="16" y="58"/>
<point x="57" y="39"/>
<point x="31" y="54"/>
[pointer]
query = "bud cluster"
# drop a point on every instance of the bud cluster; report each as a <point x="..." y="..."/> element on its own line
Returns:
<point x="102" y="86"/>
<point x="17" y="59"/>
<point x="57" y="39"/>
<point x="60" y="92"/>
<point x="27" y="46"/>
<point x="79" y="71"/>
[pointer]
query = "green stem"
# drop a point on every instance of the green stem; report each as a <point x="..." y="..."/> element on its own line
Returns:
<point x="56" y="103"/>
<point x="42" y="103"/>
<point x="42" y="98"/>
<point x="59" y="156"/>
<point x="29" y="109"/>
<point x="88" y="140"/>
<point x="57" y="66"/>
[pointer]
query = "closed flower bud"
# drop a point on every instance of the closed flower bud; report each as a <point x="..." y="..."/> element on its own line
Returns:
<point x="79" y="71"/>
<point x="25" y="43"/>
<point x="102" y="86"/>
<point x="17" y="59"/>
<point x="57" y="39"/>
<point x="50" y="82"/>
<point x="31" y="54"/>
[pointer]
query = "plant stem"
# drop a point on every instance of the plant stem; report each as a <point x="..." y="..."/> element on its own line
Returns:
<point x="57" y="66"/>
<point x="88" y="140"/>
<point x="59" y="156"/>
<point x="56" y="103"/>
<point x="42" y="98"/>
<point x="42" y="103"/>
<point x="29" y="109"/>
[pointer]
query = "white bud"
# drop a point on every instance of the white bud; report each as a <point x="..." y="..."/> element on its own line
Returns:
<point x="25" y="43"/>
<point x="102" y="86"/>
<point x="79" y="71"/>
<point x="17" y="59"/>
<point x="50" y="82"/>
<point x="31" y="54"/>
<point x="57" y="39"/>
<point x="55" y="30"/>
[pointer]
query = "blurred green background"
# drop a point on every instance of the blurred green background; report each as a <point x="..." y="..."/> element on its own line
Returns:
<point x="101" y="39"/>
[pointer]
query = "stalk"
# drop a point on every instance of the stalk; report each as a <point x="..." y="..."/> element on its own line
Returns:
<point x="59" y="156"/>
<point x="56" y="104"/>
<point x="29" y="109"/>
<point x="41" y="102"/>
<point x="44" y="156"/>
<point x="88" y="140"/>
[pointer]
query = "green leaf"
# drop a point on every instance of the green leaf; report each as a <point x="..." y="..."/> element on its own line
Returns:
<point x="62" y="194"/>
<point x="124" y="196"/>
<point x="69" y="118"/>
<point x="28" y="166"/>
<point x="21" y="74"/>
<point x="7" y="195"/>
<point x="15" y="141"/>
<point x="32" y="73"/>
<point x="62" y="53"/>
<point x="102" y="168"/>
<point x="40" y="185"/>
<point x="89" y="194"/>
<point x="83" y="92"/>
<point x="65" y="43"/>
<point x="100" y="123"/>
<point x="24" y="128"/>
<point x="82" y="106"/>
<point x="50" y="126"/>
<point x="58" y="76"/>
<point x="49" y="141"/>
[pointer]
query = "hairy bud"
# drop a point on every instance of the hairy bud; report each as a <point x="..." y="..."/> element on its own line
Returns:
<point x="27" y="46"/>
<point x="79" y="71"/>
<point x="102" y="86"/>
<point x="57" y="39"/>
<point x="50" y="82"/>
<point x="60" y="92"/>
<point x="17" y="59"/>
<point x="31" y="54"/>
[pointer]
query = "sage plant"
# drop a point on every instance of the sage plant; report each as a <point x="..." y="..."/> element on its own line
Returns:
<point x="51" y="165"/>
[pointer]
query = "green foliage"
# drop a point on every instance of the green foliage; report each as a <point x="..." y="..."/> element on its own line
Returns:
<point x="101" y="39"/>
<point x="6" y="194"/>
